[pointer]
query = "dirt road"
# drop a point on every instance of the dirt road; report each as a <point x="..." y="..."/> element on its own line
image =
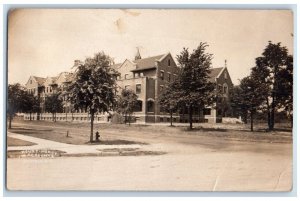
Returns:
<point x="192" y="163"/>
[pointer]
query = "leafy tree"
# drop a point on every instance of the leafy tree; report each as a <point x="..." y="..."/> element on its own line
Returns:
<point x="168" y="100"/>
<point x="194" y="88"/>
<point x="53" y="104"/>
<point x="248" y="97"/>
<point x="126" y="104"/>
<point x="237" y="103"/>
<point x="94" y="87"/>
<point x="273" y="70"/>
<point x="285" y="89"/>
<point x="14" y="101"/>
<point x="30" y="103"/>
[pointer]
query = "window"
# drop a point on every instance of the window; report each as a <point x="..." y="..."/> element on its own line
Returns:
<point x="139" y="106"/>
<point x="162" y="74"/>
<point x="138" y="89"/>
<point x="30" y="81"/>
<point x="169" y="77"/>
<point x="47" y="89"/>
<point x="206" y="111"/>
<point x="137" y="75"/>
<point x="50" y="89"/>
<point x="220" y="88"/>
<point x="161" y="88"/>
<point x="150" y="106"/>
<point x="225" y="88"/>
<point x="169" y="62"/>
<point x="126" y="76"/>
<point x="225" y="75"/>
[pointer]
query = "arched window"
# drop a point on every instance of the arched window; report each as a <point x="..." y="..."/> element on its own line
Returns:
<point x="150" y="105"/>
<point x="225" y="88"/>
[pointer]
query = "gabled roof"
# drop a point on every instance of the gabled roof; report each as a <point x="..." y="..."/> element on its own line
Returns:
<point x="40" y="80"/>
<point x="146" y="63"/>
<point x="214" y="73"/>
<point x="116" y="66"/>
<point x="70" y="77"/>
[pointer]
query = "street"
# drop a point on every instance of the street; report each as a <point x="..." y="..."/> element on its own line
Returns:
<point x="191" y="163"/>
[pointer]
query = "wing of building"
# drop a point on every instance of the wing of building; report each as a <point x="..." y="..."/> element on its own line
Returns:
<point x="147" y="77"/>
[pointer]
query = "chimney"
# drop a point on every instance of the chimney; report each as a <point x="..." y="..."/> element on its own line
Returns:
<point x="77" y="62"/>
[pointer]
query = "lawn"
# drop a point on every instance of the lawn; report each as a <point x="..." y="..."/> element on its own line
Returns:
<point x="78" y="133"/>
<point x="17" y="142"/>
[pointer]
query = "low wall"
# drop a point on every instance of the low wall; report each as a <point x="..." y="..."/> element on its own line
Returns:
<point x="80" y="117"/>
<point x="231" y="120"/>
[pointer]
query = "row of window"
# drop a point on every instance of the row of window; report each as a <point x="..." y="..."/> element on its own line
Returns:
<point x="31" y="91"/>
<point x="169" y="77"/>
<point x="138" y="88"/>
<point x="162" y="76"/>
<point x="135" y="75"/>
<point x="48" y="89"/>
<point x="223" y="89"/>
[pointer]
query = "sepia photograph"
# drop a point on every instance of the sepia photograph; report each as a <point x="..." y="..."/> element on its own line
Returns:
<point x="186" y="100"/>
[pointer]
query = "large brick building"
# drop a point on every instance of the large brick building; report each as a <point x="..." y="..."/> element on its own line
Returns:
<point x="147" y="77"/>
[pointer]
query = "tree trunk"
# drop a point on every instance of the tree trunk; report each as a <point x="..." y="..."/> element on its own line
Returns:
<point x="272" y="119"/>
<point x="251" y="120"/>
<point x="268" y="113"/>
<point x="171" y="113"/>
<point x="29" y="116"/>
<point x="9" y="122"/>
<point x="53" y="117"/>
<point x="190" y="117"/>
<point x="129" y="119"/>
<point x="92" y="127"/>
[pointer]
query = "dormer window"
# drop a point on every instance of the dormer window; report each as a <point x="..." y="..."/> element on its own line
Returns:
<point x="225" y="75"/>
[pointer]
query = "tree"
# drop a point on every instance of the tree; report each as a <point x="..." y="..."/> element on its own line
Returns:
<point x="14" y="101"/>
<point x="285" y="89"/>
<point x="248" y="97"/>
<point x="168" y="100"/>
<point x="30" y="103"/>
<point x="54" y="104"/>
<point x="194" y="88"/>
<point x="237" y="103"/>
<point x="94" y="87"/>
<point x="126" y="104"/>
<point x="269" y="70"/>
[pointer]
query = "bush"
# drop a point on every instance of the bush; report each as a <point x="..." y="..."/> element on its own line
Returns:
<point x="117" y="119"/>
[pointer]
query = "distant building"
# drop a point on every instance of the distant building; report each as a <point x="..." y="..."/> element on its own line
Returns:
<point x="147" y="77"/>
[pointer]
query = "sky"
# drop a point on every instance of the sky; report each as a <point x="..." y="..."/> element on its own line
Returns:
<point x="45" y="42"/>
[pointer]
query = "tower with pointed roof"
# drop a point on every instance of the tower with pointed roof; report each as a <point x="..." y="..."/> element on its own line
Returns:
<point x="138" y="55"/>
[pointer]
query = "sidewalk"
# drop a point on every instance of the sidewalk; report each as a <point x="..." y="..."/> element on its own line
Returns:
<point x="42" y="144"/>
